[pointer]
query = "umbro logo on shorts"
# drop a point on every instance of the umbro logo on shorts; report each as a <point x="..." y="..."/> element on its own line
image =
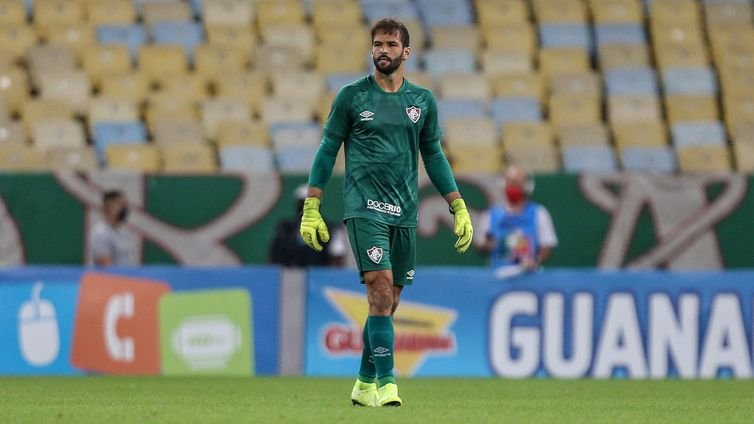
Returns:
<point x="375" y="254"/>
<point x="410" y="275"/>
<point x="366" y="115"/>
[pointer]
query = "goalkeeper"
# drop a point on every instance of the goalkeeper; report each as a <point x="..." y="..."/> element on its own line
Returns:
<point x="384" y="122"/>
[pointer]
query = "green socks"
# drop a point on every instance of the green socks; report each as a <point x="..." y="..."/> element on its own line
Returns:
<point x="379" y="331"/>
<point x="367" y="373"/>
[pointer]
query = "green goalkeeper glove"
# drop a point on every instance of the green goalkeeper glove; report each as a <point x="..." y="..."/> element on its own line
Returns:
<point x="463" y="228"/>
<point x="313" y="224"/>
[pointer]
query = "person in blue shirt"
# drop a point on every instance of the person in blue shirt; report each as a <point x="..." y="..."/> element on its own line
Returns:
<point x="519" y="233"/>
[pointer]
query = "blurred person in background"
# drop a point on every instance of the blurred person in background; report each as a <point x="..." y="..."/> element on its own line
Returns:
<point x="288" y="248"/>
<point x="519" y="234"/>
<point x="109" y="242"/>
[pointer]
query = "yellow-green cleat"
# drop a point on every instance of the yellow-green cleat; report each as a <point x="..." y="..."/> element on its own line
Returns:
<point x="364" y="394"/>
<point x="388" y="395"/>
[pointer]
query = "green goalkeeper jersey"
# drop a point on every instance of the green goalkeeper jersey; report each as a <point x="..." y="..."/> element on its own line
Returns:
<point x="382" y="133"/>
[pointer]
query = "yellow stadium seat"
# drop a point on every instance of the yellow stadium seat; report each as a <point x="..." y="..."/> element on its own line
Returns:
<point x="645" y="134"/>
<point x="308" y="86"/>
<point x="323" y="107"/>
<point x="213" y="61"/>
<point x="354" y="36"/>
<point x="560" y="11"/>
<point x="738" y="109"/>
<point x="330" y="61"/>
<point x="742" y="132"/>
<point x="456" y="37"/>
<point x="48" y="13"/>
<point x="616" y="56"/>
<point x="594" y="134"/>
<point x="14" y="87"/>
<point x="12" y="132"/>
<point x="133" y="156"/>
<point x="16" y="39"/>
<point x="130" y="86"/>
<point x="15" y="157"/>
<point x="241" y="38"/>
<point x="228" y="13"/>
<point x="703" y="159"/>
<point x="420" y="78"/>
<point x="7" y="60"/>
<point x="76" y="36"/>
<point x="111" y="12"/>
<point x="72" y="87"/>
<point x="234" y="133"/>
<point x="275" y="59"/>
<point x="189" y="87"/>
<point x="221" y="109"/>
<point x="329" y="14"/>
<point x="58" y="133"/>
<point x="465" y="86"/>
<point x="681" y="108"/>
<point x="164" y="11"/>
<point x="112" y="109"/>
<point x="680" y="56"/>
<point x="744" y="157"/>
<point x="722" y="15"/>
<point x="476" y="159"/>
<point x="732" y="37"/>
<point x="583" y="83"/>
<point x="177" y="132"/>
<point x="617" y="11"/>
<point x="478" y="132"/>
<point x="684" y="12"/>
<point x="4" y="110"/>
<point x="676" y="34"/>
<point x="736" y="57"/>
<point x="299" y="37"/>
<point x="82" y="159"/>
<point x="418" y="37"/>
<point x="511" y="38"/>
<point x="536" y="159"/>
<point x="568" y="109"/>
<point x="496" y="13"/>
<point x="496" y="63"/>
<point x="159" y="62"/>
<point x="37" y="110"/>
<point x="633" y="108"/>
<point x="523" y="134"/>
<point x="188" y="158"/>
<point x="519" y="85"/>
<point x="12" y="12"/>
<point x="101" y="61"/>
<point x="250" y="86"/>
<point x="166" y="107"/>
<point x="562" y="61"/>
<point x="48" y="58"/>
<point x="277" y="12"/>
<point x="277" y="110"/>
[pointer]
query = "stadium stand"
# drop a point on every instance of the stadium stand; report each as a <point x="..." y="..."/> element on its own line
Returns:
<point x="661" y="85"/>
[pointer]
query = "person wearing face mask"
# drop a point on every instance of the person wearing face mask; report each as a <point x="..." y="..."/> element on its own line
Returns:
<point x="519" y="234"/>
<point x="109" y="242"/>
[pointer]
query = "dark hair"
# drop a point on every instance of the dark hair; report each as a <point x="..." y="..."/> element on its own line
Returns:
<point x="111" y="195"/>
<point x="391" y="26"/>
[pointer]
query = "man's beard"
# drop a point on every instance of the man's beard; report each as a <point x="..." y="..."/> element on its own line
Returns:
<point x="391" y="67"/>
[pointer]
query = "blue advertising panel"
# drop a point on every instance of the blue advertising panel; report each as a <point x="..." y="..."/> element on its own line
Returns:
<point x="558" y="323"/>
<point x="16" y="284"/>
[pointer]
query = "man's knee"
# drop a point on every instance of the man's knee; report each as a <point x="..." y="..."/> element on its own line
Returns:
<point x="379" y="292"/>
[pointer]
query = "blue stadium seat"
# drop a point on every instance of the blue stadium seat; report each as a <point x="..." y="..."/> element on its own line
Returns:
<point x="107" y="133"/>
<point x="649" y="159"/>
<point x="565" y="35"/>
<point x="186" y="34"/>
<point x="398" y="9"/>
<point x="594" y="159"/>
<point x="296" y="159"/>
<point x="336" y="81"/>
<point x="516" y="109"/>
<point x="632" y="81"/>
<point x="445" y="12"/>
<point x="710" y="133"/>
<point x="449" y="61"/>
<point x="197" y="6"/>
<point x="295" y="135"/>
<point x="691" y="81"/>
<point x="620" y="34"/>
<point x="247" y="158"/>
<point x="459" y="108"/>
<point x="133" y="36"/>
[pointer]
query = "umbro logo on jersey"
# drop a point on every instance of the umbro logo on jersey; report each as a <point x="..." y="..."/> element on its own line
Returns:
<point x="414" y="113"/>
<point x="366" y="115"/>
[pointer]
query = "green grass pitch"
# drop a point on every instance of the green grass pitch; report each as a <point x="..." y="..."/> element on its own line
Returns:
<point x="113" y="400"/>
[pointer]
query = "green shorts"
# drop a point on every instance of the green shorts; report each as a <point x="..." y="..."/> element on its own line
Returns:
<point x="379" y="246"/>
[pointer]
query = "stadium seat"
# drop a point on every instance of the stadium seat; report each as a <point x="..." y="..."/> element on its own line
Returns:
<point x="275" y="59"/>
<point x="282" y="110"/>
<point x="166" y="11"/>
<point x="562" y="11"/>
<point x="48" y="13"/>
<point x="100" y="61"/>
<point x="742" y="132"/>
<point x="75" y="36"/>
<point x="221" y="109"/>
<point x="738" y="109"/>
<point x="679" y="108"/>
<point x="111" y="12"/>
<point x="250" y="86"/>
<point x="744" y="157"/>
<point x="296" y="159"/>
<point x="132" y="36"/>
<point x="594" y="134"/>
<point x="112" y="109"/>
<point x="619" y="56"/>
<point x="726" y="14"/>
<point x="645" y="134"/>
<point x="515" y="109"/>
<point x="698" y="134"/>
<point x="648" y="159"/>
<point x="456" y="37"/>
<point x="574" y="109"/>
<point x="571" y="35"/>
<point x="247" y="158"/>
<point x="528" y="84"/>
<point x="378" y="9"/>
<point x="291" y="136"/>
<point x="322" y="109"/>
<point x="476" y="159"/>
<point x="685" y="12"/>
<point x="611" y="34"/>
<point x="14" y="87"/>
<point x="21" y="158"/>
<point x="445" y="13"/>
<point x="82" y="159"/>
<point x="15" y="40"/>
<point x="187" y="157"/>
<point x="107" y="133"/>
<point x="12" y="12"/>
<point x="459" y="108"/>
<point x="185" y="34"/>
<point x="49" y="58"/>
<point x="518" y="38"/>
<point x="12" y="132"/>
<point x="308" y="86"/>
<point x="329" y="14"/>
<point x="241" y="38"/>
<point x="279" y="12"/>
<point x="133" y="157"/>
<point x="4" y="110"/>
<point x="703" y="159"/>
<point x="214" y="61"/>
<point x="58" y="133"/>
<point x="131" y="86"/>
<point x="536" y="158"/>
<point x="299" y="37"/>
<point x="608" y="12"/>
<point x="234" y="133"/>
<point x="71" y="86"/>
<point x="335" y="82"/>
<point x="37" y="110"/>
<point x="477" y="131"/>
<point x="449" y="61"/>
<point x="630" y="108"/>
<point x="589" y="159"/>
<point x="496" y="63"/>
<point x="352" y="37"/>
<point x="161" y="62"/>
<point x="637" y="81"/>
<point x="472" y="86"/>
<point x="585" y="83"/>
<point x="191" y="88"/>
<point x="681" y="56"/>
<point x="177" y="132"/>
<point x="558" y="60"/>
<point x="699" y="81"/>
<point x="493" y="13"/>
<point x="228" y="13"/>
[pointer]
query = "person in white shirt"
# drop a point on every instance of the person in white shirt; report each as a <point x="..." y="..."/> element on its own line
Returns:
<point x="519" y="233"/>
<point x="109" y="242"/>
